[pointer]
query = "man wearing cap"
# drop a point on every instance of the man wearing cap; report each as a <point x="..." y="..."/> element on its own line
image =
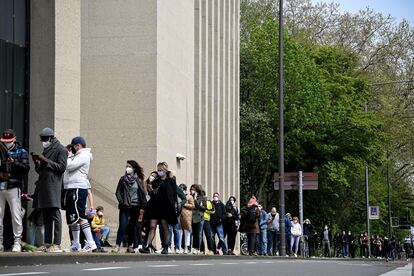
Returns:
<point x="76" y="182"/>
<point x="14" y="166"/>
<point x="50" y="165"/>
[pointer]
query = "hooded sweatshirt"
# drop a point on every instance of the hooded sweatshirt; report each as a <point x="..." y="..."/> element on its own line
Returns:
<point x="77" y="169"/>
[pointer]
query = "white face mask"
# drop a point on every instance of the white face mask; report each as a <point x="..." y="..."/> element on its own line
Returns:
<point x="232" y="202"/>
<point x="215" y="198"/>
<point x="129" y="170"/>
<point x="46" y="144"/>
<point x="99" y="214"/>
<point x="151" y="178"/>
<point x="9" y="145"/>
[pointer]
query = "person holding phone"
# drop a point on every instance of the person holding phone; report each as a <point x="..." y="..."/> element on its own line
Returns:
<point x="50" y="165"/>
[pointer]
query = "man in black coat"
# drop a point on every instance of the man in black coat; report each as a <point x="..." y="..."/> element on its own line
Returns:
<point x="14" y="166"/>
<point x="50" y="165"/>
<point x="216" y="223"/>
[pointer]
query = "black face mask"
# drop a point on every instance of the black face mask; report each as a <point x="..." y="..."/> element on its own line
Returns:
<point x="273" y="215"/>
<point x="73" y="150"/>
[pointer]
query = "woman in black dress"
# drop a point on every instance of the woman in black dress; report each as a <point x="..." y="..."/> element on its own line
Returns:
<point x="162" y="188"/>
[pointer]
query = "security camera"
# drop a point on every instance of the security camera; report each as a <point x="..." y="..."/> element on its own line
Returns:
<point x="179" y="156"/>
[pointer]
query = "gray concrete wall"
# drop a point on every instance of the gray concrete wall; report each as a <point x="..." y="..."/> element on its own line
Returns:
<point x="216" y="101"/>
<point x="119" y="84"/>
<point x="175" y="86"/>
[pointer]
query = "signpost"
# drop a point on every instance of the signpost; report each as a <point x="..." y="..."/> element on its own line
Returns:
<point x="301" y="181"/>
<point x="374" y="212"/>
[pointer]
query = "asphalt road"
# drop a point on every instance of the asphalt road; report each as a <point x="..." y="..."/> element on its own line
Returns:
<point x="224" y="267"/>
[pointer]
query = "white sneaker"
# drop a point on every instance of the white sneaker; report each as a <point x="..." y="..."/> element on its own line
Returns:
<point x="195" y="251"/>
<point x="17" y="247"/>
<point x="75" y="247"/>
<point x="186" y="250"/>
<point x="170" y="250"/>
<point x="54" y="249"/>
<point x="176" y="251"/>
<point x="295" y="255"/>
<point x="89" y="247"/>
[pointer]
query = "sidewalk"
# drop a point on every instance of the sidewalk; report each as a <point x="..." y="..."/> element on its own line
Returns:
<point x="41" y="258"/>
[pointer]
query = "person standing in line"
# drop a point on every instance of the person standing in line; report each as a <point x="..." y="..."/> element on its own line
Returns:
<point x="216" y="223"/>
<point x="75" y="181"/>
<point x="208" y="209"/>
<point x="308" y="233"/>
<point x="326" y="237"/>
<point x="230" y="224"/>
<point x="131" y="196"/>
<point x="197" y="217"/>
<point x="296" y="232"/>
<point x="250" y="224"/>
<point x="50" y="165"/>
<point x="351" y="242"/>
<point x="185" y="218"/>
<point x="272" y="233"/>
<point x="264" y="219"/>
<point x="345" y="244"/>
<point x="165" y="199"/>
<point x="13" y="169"/>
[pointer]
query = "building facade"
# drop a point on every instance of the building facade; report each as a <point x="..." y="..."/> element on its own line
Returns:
<point x="139" y="79"/>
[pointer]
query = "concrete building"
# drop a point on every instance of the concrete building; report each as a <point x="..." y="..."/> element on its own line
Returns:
<point x="139" y="79"/>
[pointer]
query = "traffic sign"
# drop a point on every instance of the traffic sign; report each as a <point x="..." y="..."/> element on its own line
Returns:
<point x="310" y="181"/>
<point x="373" y="212"/>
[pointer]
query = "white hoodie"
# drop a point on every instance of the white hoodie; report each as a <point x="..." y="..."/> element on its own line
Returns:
<point x="77" y="169"/>
<point x="296" y="229"/>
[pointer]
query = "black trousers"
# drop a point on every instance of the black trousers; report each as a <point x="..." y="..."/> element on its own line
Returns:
<point x="53" y="225"/>
<point x="231" y="233"/>
<point x="251" y="242"/>
<point x="196" y="241"/>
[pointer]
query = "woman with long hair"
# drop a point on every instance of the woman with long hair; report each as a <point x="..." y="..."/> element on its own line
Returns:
<point x="197" y="217"/>
<point x="162" y="205"/>
<point x="131" y="196"/>
<point x="230" y="224"/>
<point x="186" y="217"/>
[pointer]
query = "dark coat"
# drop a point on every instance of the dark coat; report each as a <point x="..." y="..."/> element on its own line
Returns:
<point x="167" y="200"/>
<point x="19" y="167"/>
<point x="219" y="215"/>
<point x="245" y="226"/>
<point x="123" y="195"/>
<point x="229" y="222"/>
<point x="50" y="182"/>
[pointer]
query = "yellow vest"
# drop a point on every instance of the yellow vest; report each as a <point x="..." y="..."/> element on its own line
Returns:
<point x="209" y="210"/>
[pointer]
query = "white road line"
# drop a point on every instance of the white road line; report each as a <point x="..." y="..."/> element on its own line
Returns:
<point x="268" y="262"/>
<point x="401" y="271"/>
<point x="229" y="263"/>
<point x="200" y="264"/>
<point x="162" y="265"/>
<point x="250" y="262"/>
<point x="25" y="273"/>
<point x="105" y="268"/>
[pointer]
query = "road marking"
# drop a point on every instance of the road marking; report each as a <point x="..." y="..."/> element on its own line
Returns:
<point x="400" y="271"/>
<point x="229" y="263"/>
<point x="162" y="265"/>
<point x="200" y="264"/>
<point x="268" y="262"/>
<point x="105" y="268"/>
<point x="250" y="262"/>
<point x="24" y="273"/>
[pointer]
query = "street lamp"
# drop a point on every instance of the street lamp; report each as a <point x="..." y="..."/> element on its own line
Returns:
<point x="281" y="139"/>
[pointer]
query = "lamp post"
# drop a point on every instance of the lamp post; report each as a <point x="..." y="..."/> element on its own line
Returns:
<point x="281" y="138"/>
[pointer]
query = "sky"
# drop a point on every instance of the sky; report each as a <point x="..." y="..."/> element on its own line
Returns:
<point x="400" y="9"/>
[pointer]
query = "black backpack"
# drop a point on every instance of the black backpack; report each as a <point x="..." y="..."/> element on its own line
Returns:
<point x="251" y="215"/>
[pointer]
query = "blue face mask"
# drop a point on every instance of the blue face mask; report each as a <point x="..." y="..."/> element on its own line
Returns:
<point x="161" y="173"/>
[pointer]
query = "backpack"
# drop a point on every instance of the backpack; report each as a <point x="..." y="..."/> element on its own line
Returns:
<point x="251" y="215"/>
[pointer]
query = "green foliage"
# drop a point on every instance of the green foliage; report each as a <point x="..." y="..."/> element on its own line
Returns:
<point x="327" y="129"/>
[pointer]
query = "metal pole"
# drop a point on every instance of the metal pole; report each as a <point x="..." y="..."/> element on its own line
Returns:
<point x="301" y="208"/>
<point x="281" y="139"/>
<point x="367" y="201"/>
<point x="389" y="202"/>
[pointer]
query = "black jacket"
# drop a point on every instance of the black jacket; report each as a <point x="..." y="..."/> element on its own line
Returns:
<point x="50" y="182"/>
<point x="18" y="168"/>
<point x="218" y="217"/>
<point x="123" y="195"/>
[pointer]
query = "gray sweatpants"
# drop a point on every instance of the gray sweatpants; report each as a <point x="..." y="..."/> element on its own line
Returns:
<point x="12" y="197"/>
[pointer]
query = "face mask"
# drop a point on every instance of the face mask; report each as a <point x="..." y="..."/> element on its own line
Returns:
<point x="215" y="198"/>
<point x="129" y="170"/>
<point x="151" y="178"/>
<point x="9" y="145"/>
<point x="161" y="173"/>
<point x="73" y="150"/>
<point x="100" y="214"/>
<point x="192" y="192"/>
<point x="232" y="202"/>
<point x="326" y="228"/>
<point x="46" y="144"/>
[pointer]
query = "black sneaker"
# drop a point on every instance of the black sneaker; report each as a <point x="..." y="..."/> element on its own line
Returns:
<point x="107" y="244"/>
<point x="164" y="251"/>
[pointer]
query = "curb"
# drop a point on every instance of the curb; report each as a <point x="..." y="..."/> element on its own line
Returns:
<point x="27" y="259"/>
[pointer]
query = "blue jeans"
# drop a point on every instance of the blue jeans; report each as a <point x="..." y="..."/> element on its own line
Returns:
<point x="218" y="229"/>
<point x="262" y="246"/>
<point x="272" y="243"/>
<point x="345" y="250"/>
<point x="171" y="229"/>
<point x="104" y="232"/>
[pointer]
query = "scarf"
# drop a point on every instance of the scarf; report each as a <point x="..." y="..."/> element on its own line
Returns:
<point x="130" y="178"/>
